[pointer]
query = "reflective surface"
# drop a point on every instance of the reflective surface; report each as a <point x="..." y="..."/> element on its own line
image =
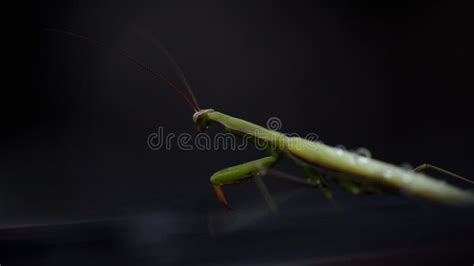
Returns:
<point x="360" y="232"/>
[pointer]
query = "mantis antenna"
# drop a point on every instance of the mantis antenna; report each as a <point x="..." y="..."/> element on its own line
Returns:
<point x="177" y="68"/>
<point x="193" y="104"/>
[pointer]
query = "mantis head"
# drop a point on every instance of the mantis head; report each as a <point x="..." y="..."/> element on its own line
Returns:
<point x="200" y="118"/>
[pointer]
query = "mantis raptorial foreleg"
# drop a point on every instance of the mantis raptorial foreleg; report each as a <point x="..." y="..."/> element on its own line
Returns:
<point x="427" y="166"/>
<point x="238" y="173"/>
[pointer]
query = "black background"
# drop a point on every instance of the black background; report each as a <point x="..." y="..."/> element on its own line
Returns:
<point x="394" y="79"/>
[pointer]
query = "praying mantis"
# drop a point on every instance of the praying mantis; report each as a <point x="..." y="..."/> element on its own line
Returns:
<point x="318" y="161"/>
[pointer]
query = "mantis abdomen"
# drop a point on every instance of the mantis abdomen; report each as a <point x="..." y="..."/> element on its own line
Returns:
<point x="378" y="172"/>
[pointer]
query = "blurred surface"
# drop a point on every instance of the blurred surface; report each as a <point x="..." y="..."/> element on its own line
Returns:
<point x="367" y="234"/>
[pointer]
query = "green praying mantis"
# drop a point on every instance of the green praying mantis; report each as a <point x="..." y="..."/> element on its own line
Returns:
<point x="318" y="161"/>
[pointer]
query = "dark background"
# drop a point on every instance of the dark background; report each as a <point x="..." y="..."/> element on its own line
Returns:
<point x="79" y="186"/>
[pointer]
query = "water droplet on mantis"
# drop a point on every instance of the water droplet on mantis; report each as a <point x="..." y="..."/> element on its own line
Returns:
<point x="340" y="149"/>
<point x="406" y="166"/>
<point x="388" y="174"/>
<point x="362" y="159"/>
<point x="364" y="152"/>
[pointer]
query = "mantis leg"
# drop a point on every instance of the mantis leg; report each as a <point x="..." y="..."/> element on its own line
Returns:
<point x="316" y="179"/>
<point x="427" y="166"/>
<point x="352" y="185"/>
<point x="238" y="173"/>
